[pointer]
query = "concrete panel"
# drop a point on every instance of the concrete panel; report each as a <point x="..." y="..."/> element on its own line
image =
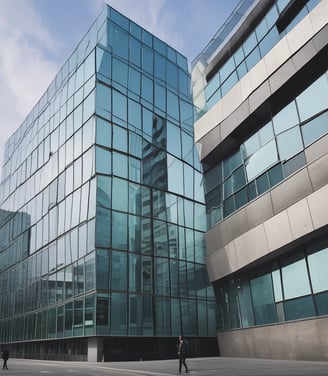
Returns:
<point x="320" y="40"/>
<point x="259" y="210"/>
<point x="319" y="16"/>
<point x="258" y="74"/>
<point x="231" y="100"/>
<point x="208" y="121"/>
<point x="213" y="239"/>
<point x="300" y="34"/>
<point x="278" y="231"/>
<point x="305" y="54"/>
<point x="277" y="56"/>
<point x="291" y="190"/>
<point x="300" y="219"/>
<point x="318" y="172"/>
<point x="210" y="141"/>
<point x="282" y="75"/>
<point x="251" y="246"/>
<point x="246" y="86"/>
<point x="221" y="262"/>
<point x="260" y="95"/>
<point x="235" y="119"/>
<point x="316" y="150"/>
<point x="318" y="203"/>
<point x="296" y="340"/>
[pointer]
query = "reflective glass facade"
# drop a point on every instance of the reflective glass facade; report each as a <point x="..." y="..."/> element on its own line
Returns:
<point x="102" y="207"/>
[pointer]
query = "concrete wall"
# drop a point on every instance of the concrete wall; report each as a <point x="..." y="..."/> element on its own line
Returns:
<point x="297" y="340"/>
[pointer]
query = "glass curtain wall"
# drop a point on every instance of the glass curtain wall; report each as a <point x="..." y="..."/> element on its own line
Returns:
<point x="270" y="295"/>
<point x="102" y="204"/>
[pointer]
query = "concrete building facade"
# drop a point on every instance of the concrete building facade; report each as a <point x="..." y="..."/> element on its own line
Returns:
<point x="260" y="89"/>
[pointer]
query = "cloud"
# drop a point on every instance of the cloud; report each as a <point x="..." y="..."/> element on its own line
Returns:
<point x="25" y="71"/>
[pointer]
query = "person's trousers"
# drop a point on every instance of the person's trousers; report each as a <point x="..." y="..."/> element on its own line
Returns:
<point x="182" y="360"/>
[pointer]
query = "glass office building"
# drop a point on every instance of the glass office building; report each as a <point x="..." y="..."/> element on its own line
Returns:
<point x="102" y="254"/>
<point x="260" y="88"/>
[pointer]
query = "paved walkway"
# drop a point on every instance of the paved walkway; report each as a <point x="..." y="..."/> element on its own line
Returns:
<point x="225" y="367"/>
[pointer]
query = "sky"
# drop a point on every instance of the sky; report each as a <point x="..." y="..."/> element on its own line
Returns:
<point x="38" y="36"/>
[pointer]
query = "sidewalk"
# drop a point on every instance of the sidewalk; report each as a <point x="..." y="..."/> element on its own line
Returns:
<point x="224" y="367"/>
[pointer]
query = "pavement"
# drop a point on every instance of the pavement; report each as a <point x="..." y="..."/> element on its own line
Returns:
<point x="214" y="366"/>
<point x="226" y="367"/>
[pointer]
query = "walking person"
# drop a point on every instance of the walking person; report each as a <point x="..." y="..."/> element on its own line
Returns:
<point x="5" y="357"/>
<point x="182" y="352"/>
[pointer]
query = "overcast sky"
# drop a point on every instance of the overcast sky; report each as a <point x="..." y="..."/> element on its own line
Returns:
<point x="38" y="36"/>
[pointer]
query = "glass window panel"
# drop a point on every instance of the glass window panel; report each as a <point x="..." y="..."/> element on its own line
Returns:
<point x="147" y="60"/>
<point x="231" y="163"/>
<point x="253" y="58"/>
<point x="241" y="70"/>
<point x="118" y="39"/>
<point x="135" y="51"/>
<point x="294" y="269"/>
<point x="119" y="270"/>
<point x="314" y="99"/>
<point x="263" y="158"/>
<point x="147" y="89"/>
<point x="212" y="86"/>
<point x="120" y="72"/>
<point x="276" y="280"/>
<point x="315" y="129"/>
<point x="134" y="234"/>
<point x="172" y="76"/>
<point x="120" y="194"/>
<point x="103" y="101"/>
<point x="103" y="133"/>
<point x="294" y="164"/>
<point x="134" y="113"/>
<point x="119" y="106"/>
<point x="103" y="161"/>
<point x="160" y="97"/>
<point x="163" y="315"/>
<point x="229" y="83"/>
<point x="147" y="315"/>
<point x="104" y="191"/>
<point x="289" y="143"/>
<point x="120" y="165"/>
<point x="175" y="175"/>
<point x="172" y="105"/>
<point x="299" y="308"/>
<point x="103" y="227"/>
<point x="241" y="198"/>
<point x="263" y="299"/>
<point x="160" y="67"/>
<point x="227" y="68"/>
<point x="276" y="175"/>
<point x="134" y="81"/>
<point x="102" y="275"/>
<point x="286" y="118"/>
<point x="120" y="138"/>
<point x="119" y="230"/>
<point x="103" y="61"/>
<point x="173" y="140"/>
<point x="118" y="317"/>
<point x="321" y="302"/>
<point x="270" y="40"/>
<point x="228" y="206"/>
<point x="162" y="279"/>
<point x="318" y="262"/>
<point x="249" y="43"/>
<point x="134" y="278"/>
<point x="266" y="133"/>
<point x="262" y="183"/>
<point x="245" y="302"/>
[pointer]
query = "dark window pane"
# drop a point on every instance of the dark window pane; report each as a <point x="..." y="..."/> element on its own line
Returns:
<point x="262" y="183"/>
<point x="241" y="198"/>
<point x="321" y="302"/>
<point x="275" y="175"/>
<point x="299" y="308"/>
<point x="294" y="164"/>
<point x="228" y="206"/>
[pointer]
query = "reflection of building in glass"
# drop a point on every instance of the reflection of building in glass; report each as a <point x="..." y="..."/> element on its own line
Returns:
<point x="261" y="91"/>
<point x="108" y="257"/>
